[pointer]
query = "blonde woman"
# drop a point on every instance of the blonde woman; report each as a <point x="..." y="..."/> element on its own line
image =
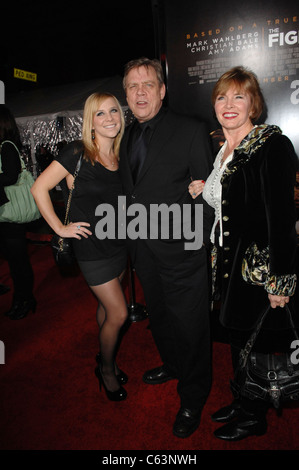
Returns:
<point x="101" y="260"/>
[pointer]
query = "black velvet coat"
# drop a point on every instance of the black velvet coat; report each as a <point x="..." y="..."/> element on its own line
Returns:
<point x="258" y="206"/>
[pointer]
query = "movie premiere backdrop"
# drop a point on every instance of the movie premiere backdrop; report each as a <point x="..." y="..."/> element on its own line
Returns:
<point x="203" y="39"/>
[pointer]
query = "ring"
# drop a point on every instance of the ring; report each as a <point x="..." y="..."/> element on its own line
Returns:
<point x="281" y="305"/>
<point x="78" y="227"/>
<point x="193" y="194"/>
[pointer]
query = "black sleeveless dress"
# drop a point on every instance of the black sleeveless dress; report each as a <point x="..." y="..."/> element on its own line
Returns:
<point x="102" y="256"/>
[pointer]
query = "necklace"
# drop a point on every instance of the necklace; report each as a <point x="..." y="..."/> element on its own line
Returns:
<point x="111" y="162"/>
<point x="104" y="158"/>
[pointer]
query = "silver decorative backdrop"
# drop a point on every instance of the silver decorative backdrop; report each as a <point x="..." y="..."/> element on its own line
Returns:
<point x="42" y="136"/>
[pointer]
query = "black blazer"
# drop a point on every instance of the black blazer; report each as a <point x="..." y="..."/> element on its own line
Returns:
<point x="180" y="149"/>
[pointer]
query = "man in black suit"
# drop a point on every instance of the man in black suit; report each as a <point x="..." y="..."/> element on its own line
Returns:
<point x="171" y="268"/>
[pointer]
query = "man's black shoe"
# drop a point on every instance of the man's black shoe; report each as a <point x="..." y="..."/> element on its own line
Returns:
<point x="156" y="376"/>
<point x="187" y="421"/>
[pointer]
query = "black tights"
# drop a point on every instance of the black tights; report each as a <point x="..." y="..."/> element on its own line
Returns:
<point x="112" y="313"/>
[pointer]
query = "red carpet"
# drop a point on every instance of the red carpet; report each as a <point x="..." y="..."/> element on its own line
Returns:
<point x="50" y="398"/>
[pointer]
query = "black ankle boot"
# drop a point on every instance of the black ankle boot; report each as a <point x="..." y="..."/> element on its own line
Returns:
<point x="21" y="308"/>
<point x="245" y="425"/>
<point x="227" y="413"/>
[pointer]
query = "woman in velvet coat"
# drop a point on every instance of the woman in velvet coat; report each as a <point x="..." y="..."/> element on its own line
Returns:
<point x="251" y="189"/>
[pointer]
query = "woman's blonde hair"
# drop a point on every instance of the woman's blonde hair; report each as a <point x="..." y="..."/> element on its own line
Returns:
<point x="243" y="79"/>
<point x="92" y="105"/>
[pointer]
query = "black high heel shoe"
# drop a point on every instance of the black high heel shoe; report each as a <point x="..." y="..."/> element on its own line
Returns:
<point x="118" y="395"/>
<point x="121" y="376"/>
<point x="20" y="309"/>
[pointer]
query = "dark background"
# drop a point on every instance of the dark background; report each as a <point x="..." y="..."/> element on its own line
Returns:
<point x="64" y="42"/>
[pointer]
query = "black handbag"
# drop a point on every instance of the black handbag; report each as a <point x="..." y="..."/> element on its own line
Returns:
<point x="62" y="247"/>
<point x="273" y="378"/>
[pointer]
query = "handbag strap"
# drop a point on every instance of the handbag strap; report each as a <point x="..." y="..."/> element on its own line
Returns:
<point x="78" y="166"/>
<point x="249" y="345"/>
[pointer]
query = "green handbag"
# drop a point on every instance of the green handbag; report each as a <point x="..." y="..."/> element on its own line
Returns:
<point x="21" y="207"/>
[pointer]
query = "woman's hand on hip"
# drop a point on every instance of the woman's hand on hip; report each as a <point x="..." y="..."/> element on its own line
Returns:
<point x="75" y="230"/>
